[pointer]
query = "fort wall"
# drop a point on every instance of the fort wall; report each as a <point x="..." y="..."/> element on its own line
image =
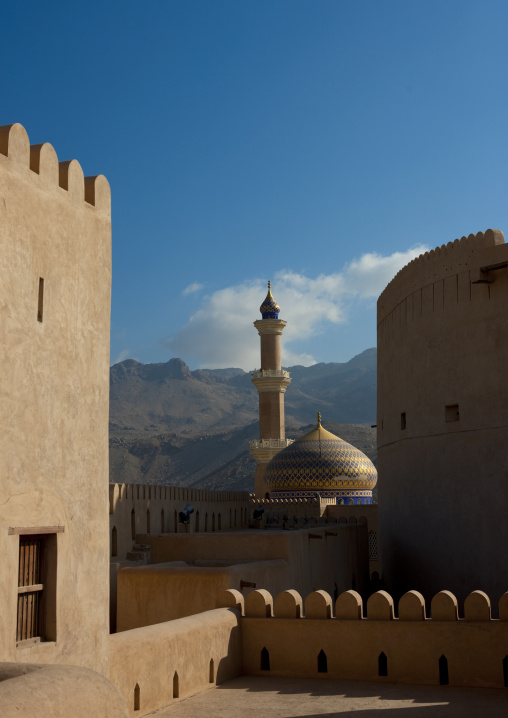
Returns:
<point x="155" y="665"/>
<point x="335" y="558"/>
<point x="55" y="273"/>
<point x="443" y="419"/>
<point x="306" y="639"/>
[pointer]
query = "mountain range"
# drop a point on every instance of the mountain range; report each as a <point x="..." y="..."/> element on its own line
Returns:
<point x="171" y="425"/>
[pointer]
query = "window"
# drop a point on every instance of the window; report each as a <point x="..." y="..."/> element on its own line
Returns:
<point x="36" y="616"/>
<point x="451" y="413"/>
<point x="403" y="420"/>
<point x="40" y="305"/>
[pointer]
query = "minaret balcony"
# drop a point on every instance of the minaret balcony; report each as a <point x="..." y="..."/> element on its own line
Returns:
<point x="271" y="380"/>
<point x="263" y="450"/>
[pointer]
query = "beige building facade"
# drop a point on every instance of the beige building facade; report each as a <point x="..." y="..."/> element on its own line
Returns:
<point x="55" y="274"/>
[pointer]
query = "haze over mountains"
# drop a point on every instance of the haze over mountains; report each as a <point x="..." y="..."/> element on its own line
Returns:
<point x="171" y="425"/>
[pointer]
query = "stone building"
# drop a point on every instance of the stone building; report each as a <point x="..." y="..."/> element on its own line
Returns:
<point x="443" y="419"/>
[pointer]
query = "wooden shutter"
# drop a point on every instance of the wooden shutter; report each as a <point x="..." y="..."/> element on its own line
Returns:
<point x="30" y="587"/>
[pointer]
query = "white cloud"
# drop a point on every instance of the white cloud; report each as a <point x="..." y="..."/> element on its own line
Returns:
<point x="192" y="288"/>
<point x="220" y="333"/>
<point x="124" y="354"/>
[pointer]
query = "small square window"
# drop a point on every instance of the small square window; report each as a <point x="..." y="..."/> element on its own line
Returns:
<point x="452" y="413"/>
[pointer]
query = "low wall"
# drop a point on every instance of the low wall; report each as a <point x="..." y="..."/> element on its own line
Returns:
<point x="155" y="665"/>
<point x="163" y="592"/>
<point x="337" y="642"/>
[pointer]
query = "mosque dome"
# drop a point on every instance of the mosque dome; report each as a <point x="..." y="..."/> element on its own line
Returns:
<point x="321" y="462"/>
<point x="269" y="309"/>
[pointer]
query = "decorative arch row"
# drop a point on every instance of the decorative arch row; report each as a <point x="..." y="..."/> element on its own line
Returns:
<point x="349" y="606"/>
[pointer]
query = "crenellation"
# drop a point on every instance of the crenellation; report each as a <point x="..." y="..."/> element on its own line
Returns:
<point x="436" y="265"/>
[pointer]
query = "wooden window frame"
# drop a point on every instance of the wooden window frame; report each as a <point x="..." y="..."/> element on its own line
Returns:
<point x="36" y="593"/>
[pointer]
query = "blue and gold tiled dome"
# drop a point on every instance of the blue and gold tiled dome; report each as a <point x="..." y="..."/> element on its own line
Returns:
<point x="269" y="309"/>
<point x="320" y="462"/>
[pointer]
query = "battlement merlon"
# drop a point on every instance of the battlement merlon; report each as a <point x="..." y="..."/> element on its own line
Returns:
<point x="471" y="254"/>
<point x="40" y="163"/>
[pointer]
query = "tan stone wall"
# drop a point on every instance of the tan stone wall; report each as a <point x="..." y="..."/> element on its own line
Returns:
<point x="442" y="344"/>
<point x="149" y="658"/>
<point x="333" y="558"/>
<point x="271" y="415"/>
<point x="55" y="224"/>
<point x="294" y="632"/>
<point x="164" y="592"/>
<point x="160" y="506"/>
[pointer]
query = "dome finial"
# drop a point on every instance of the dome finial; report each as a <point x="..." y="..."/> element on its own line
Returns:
<point x="319" y="418"/>
<point x="269" y="309"/>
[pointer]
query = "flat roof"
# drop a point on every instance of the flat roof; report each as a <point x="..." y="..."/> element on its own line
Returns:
<point x="291" y="698"/>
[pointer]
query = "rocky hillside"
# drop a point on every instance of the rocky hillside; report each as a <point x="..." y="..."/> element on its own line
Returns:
<point x="191" y="428"/>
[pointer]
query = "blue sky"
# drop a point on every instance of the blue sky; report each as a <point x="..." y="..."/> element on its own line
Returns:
<point x="319" y="144"/>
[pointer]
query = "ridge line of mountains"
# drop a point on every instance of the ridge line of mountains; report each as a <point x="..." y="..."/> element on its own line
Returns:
<point x="171" y="425"/>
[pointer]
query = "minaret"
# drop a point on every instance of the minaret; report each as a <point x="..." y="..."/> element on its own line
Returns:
<point x="271" y="382"/>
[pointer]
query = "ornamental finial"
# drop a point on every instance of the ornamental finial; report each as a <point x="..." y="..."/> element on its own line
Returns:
<point x="319" y="418"/>
<point x="269" y="309"/>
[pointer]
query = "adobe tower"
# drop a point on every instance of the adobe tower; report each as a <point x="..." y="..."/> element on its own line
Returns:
<point x="271" y="382"/>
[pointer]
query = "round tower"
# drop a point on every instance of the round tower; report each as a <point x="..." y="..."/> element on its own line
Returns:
<point x="271" y="381"/>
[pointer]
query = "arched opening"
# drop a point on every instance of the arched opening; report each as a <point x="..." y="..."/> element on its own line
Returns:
<point x="162" y="521"/>
<point x="176" y="521"/>
<point x="114" y="542"/>
<point x="213" y="522"/>
<point x="322" y="662"/>
<point x="148" y="521"/>
<point x="382" y="665"/>
<point x="443" y="671"/>
<point x="219" y="523"/>
<point x="505" y="671"/>
<point x="211" y="677"/>
<point x="230" y="518"/>
<point x="235" y="518"/>
<point x="206" y="522"/>
<point x="267" y="495"/>
<point x="197" y="522"/>
<point x="133" y="525"/>
<point x="265" y="660"/>
<point x="137" y="698"/>
<point x="176" y="688"/>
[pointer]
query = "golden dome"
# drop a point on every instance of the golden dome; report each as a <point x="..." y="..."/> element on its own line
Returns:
<point x="321" y="462"/>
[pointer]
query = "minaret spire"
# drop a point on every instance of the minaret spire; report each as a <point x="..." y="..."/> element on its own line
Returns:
<point x="271" y="381"/>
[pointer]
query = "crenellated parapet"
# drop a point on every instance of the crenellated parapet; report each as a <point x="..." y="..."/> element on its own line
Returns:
<point x="39" y="163"/>
<point x="465" y="255"/>
<point x="373" y="642"/>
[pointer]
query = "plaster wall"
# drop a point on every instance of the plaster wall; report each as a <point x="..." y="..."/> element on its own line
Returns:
<point x="55" y="224"/>
<point x="333" y="558"/>
<point x="443" y="420"/>
<point x="271" y="351"/>
<point x="133" y="506"/>
<point x="271" y="415"/>
<point x="149" y="658"/>
<point x="474" y="647"/>
<point x="164" y="592"/>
